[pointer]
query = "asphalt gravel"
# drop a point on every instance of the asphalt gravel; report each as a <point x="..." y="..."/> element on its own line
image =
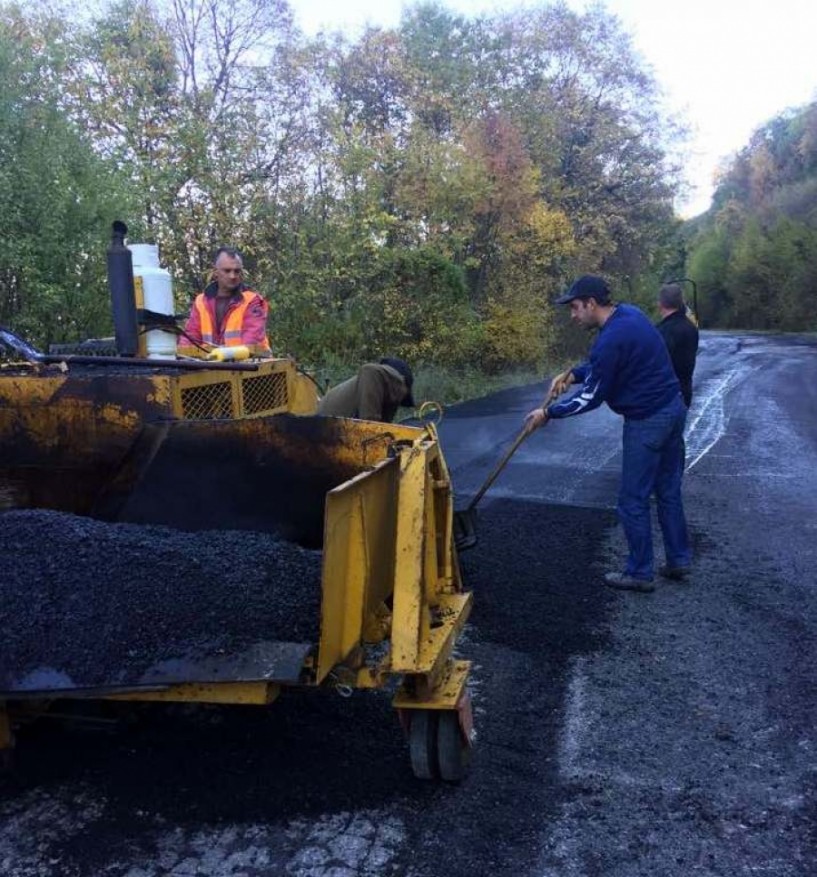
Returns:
<point x="87" y="604"/>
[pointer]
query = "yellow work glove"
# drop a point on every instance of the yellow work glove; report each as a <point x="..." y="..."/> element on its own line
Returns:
<point x="229" y="354"/>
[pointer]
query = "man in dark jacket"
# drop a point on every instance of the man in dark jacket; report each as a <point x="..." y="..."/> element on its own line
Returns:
<point x="680" y="335"/>
<point x="374" y="393"/>
<point x="629" y="369"/>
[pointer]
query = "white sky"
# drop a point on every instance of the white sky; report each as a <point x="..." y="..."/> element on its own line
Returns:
<point x="727" y="66"/>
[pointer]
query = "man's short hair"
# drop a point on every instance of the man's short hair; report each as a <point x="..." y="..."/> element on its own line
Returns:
<point x="671" y="297"/>
<point x="232" y="252"/>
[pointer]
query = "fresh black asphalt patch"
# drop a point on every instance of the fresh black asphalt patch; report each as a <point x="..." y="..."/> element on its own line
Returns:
<point x="538" y="604"/>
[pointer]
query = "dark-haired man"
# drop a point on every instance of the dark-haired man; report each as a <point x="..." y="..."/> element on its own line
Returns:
<point x="374" y="393"/>
<point x="227" y="313"/>
<point x="629" y="368"/>
<point x="680" y="335"/>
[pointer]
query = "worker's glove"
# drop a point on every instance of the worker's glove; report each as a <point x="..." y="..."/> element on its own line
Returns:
<point x="559" y="385"/>
<point x="229" y="354"/>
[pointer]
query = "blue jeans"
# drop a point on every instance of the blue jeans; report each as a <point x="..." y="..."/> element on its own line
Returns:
<point x="653" y="449"/>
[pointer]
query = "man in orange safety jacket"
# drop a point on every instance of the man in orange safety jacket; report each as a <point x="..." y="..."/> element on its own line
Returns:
<point x="227" y="313"/>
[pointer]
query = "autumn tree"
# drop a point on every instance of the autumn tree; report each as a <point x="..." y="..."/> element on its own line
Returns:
<point x="199" y="100"/>
<point x="755" y="250"/>
<point x="58" y="196"/>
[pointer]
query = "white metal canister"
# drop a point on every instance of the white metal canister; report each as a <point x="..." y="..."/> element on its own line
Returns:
<point x="154" y="292"/>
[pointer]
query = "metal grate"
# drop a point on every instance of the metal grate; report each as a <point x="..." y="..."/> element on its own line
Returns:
<point x="85" y="348"/>
<point x="264" y="393"/>
<point x="207" y="401"/>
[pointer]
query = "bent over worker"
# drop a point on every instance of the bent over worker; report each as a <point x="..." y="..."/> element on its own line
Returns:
<point x="374" y="393"/>
<point x="227" y="313"/>
<point x="629" y="368"/>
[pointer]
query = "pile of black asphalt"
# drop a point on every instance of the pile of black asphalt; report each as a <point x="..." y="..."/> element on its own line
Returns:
<point x="86" y="604"/>
<point x="314" y="753"/>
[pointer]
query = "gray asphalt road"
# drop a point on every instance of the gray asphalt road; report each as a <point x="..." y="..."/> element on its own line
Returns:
<point x="618" y="734"/>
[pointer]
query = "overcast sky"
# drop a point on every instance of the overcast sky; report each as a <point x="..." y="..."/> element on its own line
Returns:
<point x="727" y="66"/>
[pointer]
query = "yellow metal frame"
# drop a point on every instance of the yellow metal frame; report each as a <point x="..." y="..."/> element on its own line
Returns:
<point x="390" y="573"/>
<point x="388" y="540"/>
<point x="260" y="693"/>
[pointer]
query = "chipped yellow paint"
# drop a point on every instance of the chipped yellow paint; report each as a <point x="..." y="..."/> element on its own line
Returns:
<point x="445" y="696"/>
<point x="162" y="394"/>
<point x="258" y="693"/>
<point x="118" y="416"/>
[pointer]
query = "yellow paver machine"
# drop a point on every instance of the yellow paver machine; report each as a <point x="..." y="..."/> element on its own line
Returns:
<point x="235" y="447"/>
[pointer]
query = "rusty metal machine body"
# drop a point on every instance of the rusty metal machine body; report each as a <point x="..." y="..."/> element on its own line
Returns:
<point x="156" y="445"/>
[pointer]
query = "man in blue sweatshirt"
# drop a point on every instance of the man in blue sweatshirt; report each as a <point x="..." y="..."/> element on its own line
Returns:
<point x="629" y="368"/>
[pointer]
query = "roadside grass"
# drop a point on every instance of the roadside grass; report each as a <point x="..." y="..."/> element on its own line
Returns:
<point x="448" y="385"/>
<point x="444" y="384"/>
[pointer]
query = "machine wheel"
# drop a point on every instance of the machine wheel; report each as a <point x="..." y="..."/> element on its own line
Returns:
<point x="453" y="753"/>
<point x="423" y="734"/>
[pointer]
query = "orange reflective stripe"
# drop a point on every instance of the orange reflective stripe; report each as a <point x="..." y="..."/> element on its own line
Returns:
<point x="205" y="320"/>
<point x="235" y="321"/>
<point x="233" y="325"/>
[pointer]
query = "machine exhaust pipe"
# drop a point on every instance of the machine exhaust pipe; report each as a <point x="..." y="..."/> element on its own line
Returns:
<point x="123" y="296"/>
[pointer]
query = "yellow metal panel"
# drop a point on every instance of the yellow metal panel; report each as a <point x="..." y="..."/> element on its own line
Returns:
<point x="450" y="615"/>
<point x="445" y="696"/>
<point x="430" y="557"/>
<point x="64" y="436"/>
<point x="344" y="563"/>
<point x="223" y="394"/>
<point x="303" y="394"/>
<point x="219" y="692"/>
<point x="448" y="569"/>
<point x="409" y="605"/>
<point x="358" y="560"/>
<point x="139" y="300"/>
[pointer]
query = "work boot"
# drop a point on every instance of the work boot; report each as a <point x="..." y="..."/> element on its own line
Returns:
<point x="622" y="581"/>
<point x="676" y="573"/>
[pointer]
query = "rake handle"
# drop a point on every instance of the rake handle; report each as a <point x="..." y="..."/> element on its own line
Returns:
<point x="499" y="467"/>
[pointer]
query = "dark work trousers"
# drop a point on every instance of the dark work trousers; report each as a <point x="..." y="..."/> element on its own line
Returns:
<point x="652" y="448"/>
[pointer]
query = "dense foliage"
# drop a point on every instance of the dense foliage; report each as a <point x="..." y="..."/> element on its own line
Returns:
<point x="754" y="253"/>
<point x="422" y="190"/>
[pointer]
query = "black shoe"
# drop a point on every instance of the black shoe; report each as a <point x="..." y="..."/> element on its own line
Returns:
<point x="624" y="582"/>
<point x="676" y="573"/>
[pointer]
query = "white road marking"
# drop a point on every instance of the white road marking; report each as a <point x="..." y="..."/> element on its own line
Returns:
<point x="709" y="421"/>
<point x="573" y="727"/>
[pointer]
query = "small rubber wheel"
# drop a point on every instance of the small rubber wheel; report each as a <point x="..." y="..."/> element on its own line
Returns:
<point x="423" y="734"/>
<point x="453" y="753"/>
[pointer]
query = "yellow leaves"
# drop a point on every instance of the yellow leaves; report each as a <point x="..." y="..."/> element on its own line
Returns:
<point x="516" y="330"/>
<point x="545" y="236"/>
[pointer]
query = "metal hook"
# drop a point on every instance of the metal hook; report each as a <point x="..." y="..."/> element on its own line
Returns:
<point x="427" y="412"/>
